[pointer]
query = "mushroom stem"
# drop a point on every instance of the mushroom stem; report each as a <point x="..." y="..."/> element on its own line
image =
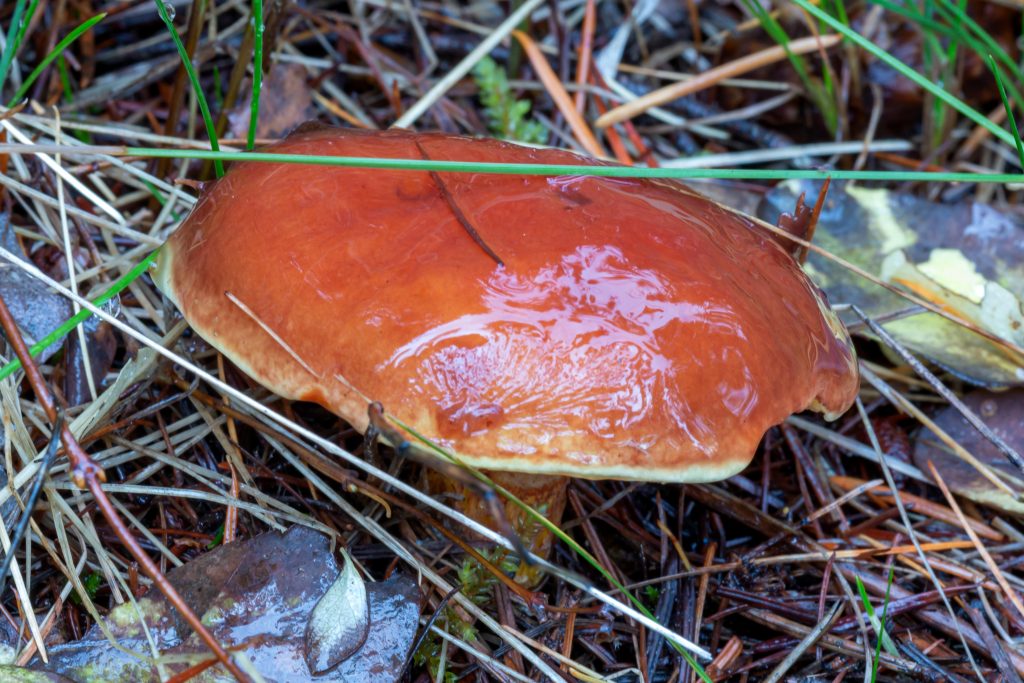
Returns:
<point x="544" y="493"/>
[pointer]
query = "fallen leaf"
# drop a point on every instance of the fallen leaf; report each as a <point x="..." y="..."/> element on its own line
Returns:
<point x="966" y="258"/>
<point x="255" y="596"/>
<point x="101" y="347"/>
<point x="1004" y="413"/>
<point x="394" y="620"/>
<point x="285" y="102"/>
<point x="339" y="622"/>
<point x="17" y="674"/>
<point x="37" y="309"/>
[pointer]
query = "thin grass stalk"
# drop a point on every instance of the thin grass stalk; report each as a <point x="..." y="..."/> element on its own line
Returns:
<point x="197" y="89"/>
<point x="257" y="71"/>
<point x="1009" y="109"/>
<point x="12" y="42"/>
<point x="936" y="90"/>
<point x="57" y="51"/>
<point x="550" y="170"/>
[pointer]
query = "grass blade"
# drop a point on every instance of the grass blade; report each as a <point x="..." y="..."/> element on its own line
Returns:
<point x="257" y="71"/>
<point x="561" y="169"/>
<point x="11" y="44"/>
<point x="1009" y="110"/>
<point x="24" y="24"/>
<point x="877" y="624"/>
<point x="820" y="95"/>
<point x="54" y="53"/>
<point x="204" y="108"/>
<point x="936" y="90"/>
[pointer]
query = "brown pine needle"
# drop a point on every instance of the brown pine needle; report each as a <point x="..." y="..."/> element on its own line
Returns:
<point x="922" y="506"/>
<point x="714" y="76"/>
<point x="559" y="95"/>
<point x="1000" y="579"/>
<point x="586" y="54"/>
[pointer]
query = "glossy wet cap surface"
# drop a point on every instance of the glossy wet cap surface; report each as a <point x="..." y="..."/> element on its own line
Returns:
<point x="635" y="331"/>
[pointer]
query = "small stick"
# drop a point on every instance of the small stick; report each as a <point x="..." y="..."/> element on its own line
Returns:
<point x="37" y="486"/>
<point x="463" y="221"/>
<point x="810" y="639"/>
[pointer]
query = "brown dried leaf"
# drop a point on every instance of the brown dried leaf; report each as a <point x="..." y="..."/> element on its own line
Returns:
<point x="1004" y="413"/>
<point x="285" y="102"/>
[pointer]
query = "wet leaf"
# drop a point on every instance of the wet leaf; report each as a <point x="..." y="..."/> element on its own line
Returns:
<point x="285" y="102"/>
<point x="394" y="619"/>
<point x="256" y="596"/>
<point x="35" y="306"/>
<point x="101" y="347"/>
<point x="17" y="674"/>
<point x="966" y="258"/>
<point x="339" y="622"/>
<point x="1004" y="413"/>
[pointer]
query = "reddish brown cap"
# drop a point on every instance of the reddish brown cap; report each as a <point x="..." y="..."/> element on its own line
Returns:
<point x="636" y="330"/>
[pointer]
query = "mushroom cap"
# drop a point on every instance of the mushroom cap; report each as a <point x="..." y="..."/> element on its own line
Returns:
<point x="637" y="330"/>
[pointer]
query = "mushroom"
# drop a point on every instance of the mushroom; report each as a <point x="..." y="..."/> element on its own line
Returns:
<point x="539" y="327"/>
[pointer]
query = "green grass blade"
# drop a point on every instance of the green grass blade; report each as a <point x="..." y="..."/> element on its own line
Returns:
<point x="936" y="90"/>
<point x="564" y="169"/>
<point x="204" y="108"/>
<point x="83" y="314"/>
<point x="885" y="614"/>
<point x="821" y="97"/>
<point x="1009" y="110"/>
<point x="54" y="53"/>
<point x="24" y="24"/>
<point x="257" y="71"/>
<point x="960" y="18"/>
<point x="982" y="44"/>
<point x="65" y="79"/>
<point x="11" y="43"/>
<point x="883" y="638"/>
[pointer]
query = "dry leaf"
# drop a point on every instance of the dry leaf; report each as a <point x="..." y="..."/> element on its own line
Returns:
<point x="1004" y="413"/>
<point x="285" y="102"/>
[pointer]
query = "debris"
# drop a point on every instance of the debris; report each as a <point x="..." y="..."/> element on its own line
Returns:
<point x="340" y="621"/>
<point x="255" y="596"/>
<point x="967" y="259"/>
<point x="1004" y="413"/>
<point x="285" y="102"/>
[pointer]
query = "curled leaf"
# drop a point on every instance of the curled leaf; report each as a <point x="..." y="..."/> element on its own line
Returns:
<point x="395" y="613"/>
<point x="339" y="623"/>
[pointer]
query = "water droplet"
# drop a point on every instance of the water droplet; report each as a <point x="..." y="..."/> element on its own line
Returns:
<point x="169" y="8"/>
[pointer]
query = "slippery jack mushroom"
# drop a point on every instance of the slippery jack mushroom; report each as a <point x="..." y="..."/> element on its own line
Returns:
<point x="539" y="327"/>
